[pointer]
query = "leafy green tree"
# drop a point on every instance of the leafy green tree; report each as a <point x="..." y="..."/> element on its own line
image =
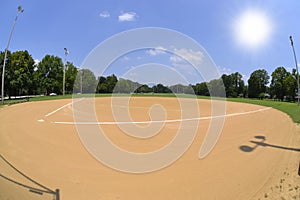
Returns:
<point x="144" y="89"/>
<point x="101" y="87"/>
<point x="122" y="86"/>
<point x="18" y="73"/>
<point x="50" y="74"/>
<point x="21" y="73"/>
<point x="238" y="84"/>
<point x="87" y="80"/>
<point x="108" y="84"/>
<point x="216" y="88"/>
<point x="234" y="84"/>
<point x="278" y="87"/>
<point x="245" y="91"/>
<point x="71" y="73"/>
<point x="290" y="84"/>
<point x="178" y="88"/>
<point x="294" y="73"/>
<point x="229" y="87"/>
<point x="160" y="88"/>
<point x="257" y="83"/>
<point x="188" y="89"/>
<point x="201" y="89"/>
<point x="125" y="86"/>
<point x="36" y="89"/>
<point x="111" y="82"/>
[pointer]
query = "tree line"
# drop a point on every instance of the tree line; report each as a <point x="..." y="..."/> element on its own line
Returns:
<point x="23" y="76"/>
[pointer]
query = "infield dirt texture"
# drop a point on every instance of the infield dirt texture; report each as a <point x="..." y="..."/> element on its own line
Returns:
<point x="256" y="157"/>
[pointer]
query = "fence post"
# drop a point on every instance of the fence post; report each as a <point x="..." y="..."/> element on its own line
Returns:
<point x="57" y="194"/>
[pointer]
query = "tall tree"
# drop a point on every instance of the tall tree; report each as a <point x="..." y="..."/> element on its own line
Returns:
<point x="216" y="88"/>
<point x="278" y="87"/>
<point x="290" y="84"/>
<point x="123" y="86"/>
<point x="238" y="83"/>
<point x="229" y="87"/>
<point x="87" y="80"/>
<point x="101" y="87"/>
<point x="111" y="82"/>
<point x="50" y="74"/>
<point x="178" y="88"/>
<point x="71" y="73"/>
<point x="234" y="84"/>
<point x="19" y="73"/>
<point x="144" y="89"/>
<point x="201" y="89"/>
<point x="160" y="88"/>
<point x="257" y="83"/>
<point x="108" y="84"/>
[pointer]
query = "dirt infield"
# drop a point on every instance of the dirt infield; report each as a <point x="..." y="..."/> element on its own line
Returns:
<point x="256" y="157"/>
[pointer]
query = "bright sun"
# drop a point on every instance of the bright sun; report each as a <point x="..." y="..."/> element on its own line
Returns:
<point x="252" y="28"/>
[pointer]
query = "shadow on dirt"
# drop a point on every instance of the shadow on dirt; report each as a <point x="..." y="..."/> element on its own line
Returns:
<point x="261" y="143"/>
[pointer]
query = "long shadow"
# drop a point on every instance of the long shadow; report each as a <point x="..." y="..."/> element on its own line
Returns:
<point x="250" y="149"/>
<point x="262" y="143"/>
<point x="275" y="146"/>
<point x="30" y="188"/>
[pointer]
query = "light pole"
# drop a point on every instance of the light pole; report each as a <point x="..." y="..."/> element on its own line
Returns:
<point x="20" y="10"/>
<point x="64" y="76"/>
<point x="298" y="88"/>
<point x="81" y="74"/>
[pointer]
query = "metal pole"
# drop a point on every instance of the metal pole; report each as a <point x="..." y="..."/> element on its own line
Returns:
<point x="64" y="75"/>
<point x="81" y="74"/>
<point x="298" y="87"/>
<point x="57" y="197"/>
<point x="20" y="10"/>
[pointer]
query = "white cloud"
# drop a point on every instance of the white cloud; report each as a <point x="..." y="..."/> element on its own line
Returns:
<point x="245" y="78"/>
<point x="175" y="59"/>
<point x="224" y="70"/>
<point x="36" y="61"/>
<point x="104" y="14"/>
<point x="132" y="75"/>
<point x="128" y="16"/>
<point x="130" y="67"/>
<point x="180" y="55"/>
<point x="290" y="69"/>
<point x="156" y="51"/>
<point x="125" y="58"/>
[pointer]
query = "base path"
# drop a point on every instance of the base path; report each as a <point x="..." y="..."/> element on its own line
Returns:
<point x="256" y="157"/>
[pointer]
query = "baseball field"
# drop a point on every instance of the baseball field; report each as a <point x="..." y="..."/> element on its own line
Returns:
<point x="256" y="157"/>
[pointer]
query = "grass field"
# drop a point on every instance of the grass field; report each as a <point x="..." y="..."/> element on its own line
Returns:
<point x="292" y="109"/>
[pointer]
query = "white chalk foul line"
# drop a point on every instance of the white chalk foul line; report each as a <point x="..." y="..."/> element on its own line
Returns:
<point x="163" y="121"/>
<point x="54" y="111"/>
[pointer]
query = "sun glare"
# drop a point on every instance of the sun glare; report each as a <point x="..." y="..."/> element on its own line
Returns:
<point x="252" y="29"/>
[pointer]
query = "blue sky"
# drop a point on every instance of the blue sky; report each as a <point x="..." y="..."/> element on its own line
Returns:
<point x="46" y="27"/>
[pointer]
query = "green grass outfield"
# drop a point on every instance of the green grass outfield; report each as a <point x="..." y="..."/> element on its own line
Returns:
<point x="292" y="109"/>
